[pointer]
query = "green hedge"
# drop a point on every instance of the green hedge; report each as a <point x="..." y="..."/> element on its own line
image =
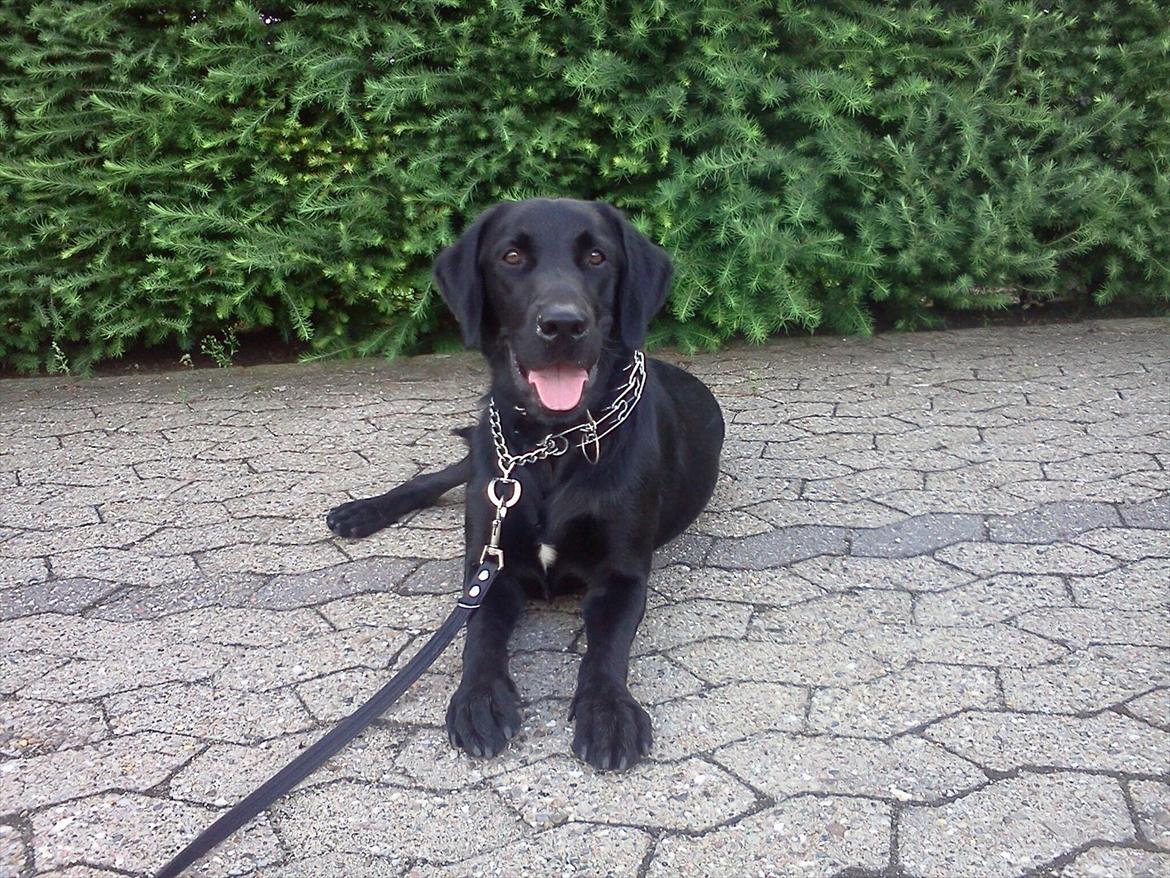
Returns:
<point x="173" y="172"/>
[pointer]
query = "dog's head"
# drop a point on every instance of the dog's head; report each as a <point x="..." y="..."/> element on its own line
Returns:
<point x="546" y="288"/>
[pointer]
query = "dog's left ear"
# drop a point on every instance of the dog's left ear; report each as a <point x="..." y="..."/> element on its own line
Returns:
<point x="460" y="282"/>
<point x="644" y="281"/>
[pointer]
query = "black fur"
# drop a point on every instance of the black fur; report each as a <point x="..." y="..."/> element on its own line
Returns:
<point x="516" y="265"/>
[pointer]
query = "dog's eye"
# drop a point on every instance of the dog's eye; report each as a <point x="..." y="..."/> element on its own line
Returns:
<point x="512" y="256"/>
<point x="596" y="257"/>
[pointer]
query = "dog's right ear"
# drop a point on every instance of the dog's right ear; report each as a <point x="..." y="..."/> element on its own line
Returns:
<point x="460" y="282"/>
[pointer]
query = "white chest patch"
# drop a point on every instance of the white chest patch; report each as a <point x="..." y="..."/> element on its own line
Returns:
<point x="547" y="555"/>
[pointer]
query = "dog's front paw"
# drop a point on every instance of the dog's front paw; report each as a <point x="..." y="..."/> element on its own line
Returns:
<point x="482" y="717"/>
<point x="612" y="729"/>
<point x="358" y="518"/>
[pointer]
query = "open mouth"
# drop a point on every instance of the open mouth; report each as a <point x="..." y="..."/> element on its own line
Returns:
<point x="559" y="387"/>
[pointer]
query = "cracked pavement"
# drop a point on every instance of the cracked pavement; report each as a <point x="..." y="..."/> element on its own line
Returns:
<point x="922" y="630"/>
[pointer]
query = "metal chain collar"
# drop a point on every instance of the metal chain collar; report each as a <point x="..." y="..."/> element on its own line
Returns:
<point x="592" y="431"/>
<point x="554" y="445"/>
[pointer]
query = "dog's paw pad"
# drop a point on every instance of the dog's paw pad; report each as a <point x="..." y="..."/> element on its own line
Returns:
<point x="612" y="730"/>
<point x="483" y="717"/>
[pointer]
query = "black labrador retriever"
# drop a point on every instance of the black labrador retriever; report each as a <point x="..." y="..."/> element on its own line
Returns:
<point x="557" y="294"/>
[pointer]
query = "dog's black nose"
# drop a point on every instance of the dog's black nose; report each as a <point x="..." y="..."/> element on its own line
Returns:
<point x="561" y="322"/>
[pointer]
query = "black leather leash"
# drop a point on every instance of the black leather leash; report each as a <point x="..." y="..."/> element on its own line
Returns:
<point x="310" y="760"/>
<point x="503" y="492"/>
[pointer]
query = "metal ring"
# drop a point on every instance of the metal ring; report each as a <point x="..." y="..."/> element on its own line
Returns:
<point x="510" y="501"/>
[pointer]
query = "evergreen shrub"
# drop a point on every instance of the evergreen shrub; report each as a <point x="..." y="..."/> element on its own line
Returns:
<point x="170" y="172"/>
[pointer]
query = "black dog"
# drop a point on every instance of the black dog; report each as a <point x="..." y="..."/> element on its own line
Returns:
<point x="557" y="294"/>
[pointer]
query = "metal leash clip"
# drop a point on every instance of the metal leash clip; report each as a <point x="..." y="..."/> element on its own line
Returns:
<point x="503" y="504"/>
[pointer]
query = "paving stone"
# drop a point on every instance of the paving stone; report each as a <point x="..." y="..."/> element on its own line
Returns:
<point x="1054" y="491"/>
<point x="1151" y="800"/>
<point x="13" y="855"/>
<point x="900" y="701"/>
<point x="730" y="524"/>
<point x="904" y="769"/>
<point x="1087" y="679"/>
<point x="244" y="627"/>
<point x="746" y="489"/>
<point x="655" y="678"/>
<point x="771" y="587"/>
<point x="264" y="668"/>
<point x="331" y="697"/>
<point x="700" y="722"/>
<point x="1153" y="708"/>
<point x="427" y="758"/>
<point x="569" y="849"/>
<point x="406" y="542"/>
<point x="1098" y="467"/>
<point x="691" y="794"/>
<point x="865" y="485"/>
<point x="981" y="501"/>
<point x="113" y="657"/>
<point x="352" y="818"/>
<point x="1128" y="544"/>
<point x="679" y="623"/>
<point x="207" y="712"/>
<point x="905" y="574"/>
<point x="1012" y="825"/>
<point x="124" y="566"/>
<point x="17" y="571"/>
<point x="388" y="610"/>
<point x="976" y="477"/>
<point x="689" y="548"/>
<point x="1005" y="741"/>
<point x="917" y="536"/>
<point x="349" y="865"/>
<point x="272" y="559"/>
<point x="144" y="603"/>
<point x="990" y="600"/>
<point x="1154" y="513"/>
<point x="320" y="586"/>
<point x="33" y="728"/>
<point x="818" y="446"/>
<point x="988" y="559"/>
<point x="778" y="548"/>
<point x="59" y="596"/>
<point x="547" y="629"/>
<point x="998" y="646"/>
<point x="819" y="663"/>
<point x="1137" y="586"/>
<point x="806" y="836"/>
<point x="1079" y="626"/>
<point x="831" y="616"/>
<point x="130" y="831"/>
<point x="811" y="515"/>
<point x="133" y="762"/>
<point x="24" y="666"/>
<point x="1052" y="523"/>
<point x="1107" y="862"/>
<point x="434" y="577"/>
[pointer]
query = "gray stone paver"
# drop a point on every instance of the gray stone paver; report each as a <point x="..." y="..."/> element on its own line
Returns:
<point x="921" y="628"/>
<point x="1151" y="800"/>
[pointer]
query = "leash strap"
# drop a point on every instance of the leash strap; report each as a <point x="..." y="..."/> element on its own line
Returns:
<point x="474" y="591"/>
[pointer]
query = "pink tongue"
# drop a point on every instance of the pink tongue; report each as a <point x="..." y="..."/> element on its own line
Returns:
<point x="559" y="387"/>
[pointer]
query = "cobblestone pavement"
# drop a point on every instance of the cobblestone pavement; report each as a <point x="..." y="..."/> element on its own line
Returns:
<point x="922" y="631"/>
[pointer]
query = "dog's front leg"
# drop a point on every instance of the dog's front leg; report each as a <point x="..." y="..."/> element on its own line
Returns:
<point x="612" y="730"/>
<point x="485" y="710"/>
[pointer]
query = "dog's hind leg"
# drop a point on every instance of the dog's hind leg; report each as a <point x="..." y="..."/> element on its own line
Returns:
<point x="360" y="518"/>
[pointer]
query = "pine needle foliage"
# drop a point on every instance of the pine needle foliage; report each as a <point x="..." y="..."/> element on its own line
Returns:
<point x="170" y="172"/>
